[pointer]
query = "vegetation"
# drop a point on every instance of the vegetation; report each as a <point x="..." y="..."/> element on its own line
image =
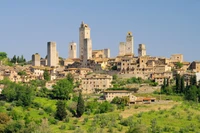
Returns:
<point x="17" y="59"/>
<point x="32" y="107"/>
<point x="60" y="110"/>
<point x="46" y="75"/>
<point x="62" y="89"/>
<point x="22" y="94"/>
<point x="80" y="106"/>
<point x="3" y="55"/>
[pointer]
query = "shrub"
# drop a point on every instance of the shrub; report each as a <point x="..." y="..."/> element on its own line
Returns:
<point x="127" y="122"/>
<point x="48" y="110"/>
<point x="75" y="121"/>
<point x="119" y="128"/>
<point x="2" y="103"/>
<point x="72" y="127"/>
<point x="53" y="121"/>
<point x="62" y="127"/>
<point x="140" y="114"/>
<point x="189" y="117"/>
<point x="67" y="119"/>
<point x="85" y="119"/>
<point x="41" y="112"/>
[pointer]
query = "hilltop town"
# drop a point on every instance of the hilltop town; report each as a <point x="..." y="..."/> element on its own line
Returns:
<point x="127" y="79"/>
<point x="94" y="68"/>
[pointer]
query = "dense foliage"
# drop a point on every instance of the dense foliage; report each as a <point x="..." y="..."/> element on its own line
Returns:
<point x="61" y="110"/>
<point x="22" y="94"/>
<point x="190" y="91"/>
<point x="18" y="59"/>
<point x="62" y="89"/>
<point x="80" y="106"/>
<point x="46" y="75"/>
<point x="3" y="55"/>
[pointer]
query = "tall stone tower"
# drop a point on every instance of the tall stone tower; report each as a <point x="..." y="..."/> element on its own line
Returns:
<point x="106" y="53"/>
<point x="52" y="54"/>
<point x="87" y="51"/>
<point x="72" y="50"/>
<point x="129" y="44"/>
<point x="36" y="59"/>
<point x="141" y="50"/>
<point x="84" y="33"/>
<point x="122" y="47"/>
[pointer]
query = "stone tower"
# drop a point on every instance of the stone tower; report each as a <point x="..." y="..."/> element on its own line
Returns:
<point x="87" y="51"/>
<point x="122" y="46"/>
<point x="106" y="53"/>
<point x="84" y="33"/>
<point x="129" y="44"/>
<point x="141" y="50"/>
<point x="52" y="54"/>
<point x="36" y="59"/>
<point x="72" y="50"/>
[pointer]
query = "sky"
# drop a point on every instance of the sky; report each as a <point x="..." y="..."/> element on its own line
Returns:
<point x="165" y="26"/>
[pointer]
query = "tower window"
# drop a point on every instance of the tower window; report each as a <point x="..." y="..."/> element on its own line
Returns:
<point x="71" y="47"/>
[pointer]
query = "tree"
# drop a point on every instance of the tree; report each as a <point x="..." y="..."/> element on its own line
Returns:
<point x="80" y="106"/>
<point x="193" y="80"/>
<point x="62" y="89"/>
<point x="182" y="85"/>
<point x="115" y="77"/>
<point x="3" y="55"/>
<point x="61" y="110"/>
<point x="191" y="93"/>
<point x="70" y="77"/>
<point x="18" y="60"/>
<point x="46" y="75"/>
<point x="23" y="94"/>
<point x="178" y="83"/>
<point x="14" y="59"/>
<point x="179" y="65"/>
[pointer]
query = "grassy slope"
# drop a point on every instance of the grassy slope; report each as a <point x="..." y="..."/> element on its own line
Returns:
<point x="174" y="115"/>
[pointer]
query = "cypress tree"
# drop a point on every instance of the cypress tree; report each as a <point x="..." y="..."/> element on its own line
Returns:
<point x="80" y="106"/>
<point x="182" y="85"/>
<point x="61" y="110"/>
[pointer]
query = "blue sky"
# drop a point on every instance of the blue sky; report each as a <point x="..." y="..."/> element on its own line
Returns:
<point x="165" y="26"/>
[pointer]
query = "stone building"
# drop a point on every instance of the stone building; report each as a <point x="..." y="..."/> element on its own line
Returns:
<point x="36" y="59"/>
<point x="129" y="44"/>
<point x="87" y="51"/>
<point x="84" y="33"/>
<point x="195" y="66"/>
<point x="127" y="48"/>
<point x="122" y="47"/>
<point x="94" y="83"/>
<point x="72" y="50"/>
<point x="52" y="54"/>
<point x="103" y="53"/>
<point x="111" y="94"/>
<point x="141" y="50"/>
<point x="176" y="58"/>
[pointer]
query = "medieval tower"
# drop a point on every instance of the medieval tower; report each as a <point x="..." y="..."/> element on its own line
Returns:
<point x="72" y="50"/>
<point x="84" y="33"/>
<point x="127" y="48"/>
<point x="141" y="50"/>
<point x="129" y="44"/>
<point x="52" y="54"/>
<point x="36" y="59"/>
